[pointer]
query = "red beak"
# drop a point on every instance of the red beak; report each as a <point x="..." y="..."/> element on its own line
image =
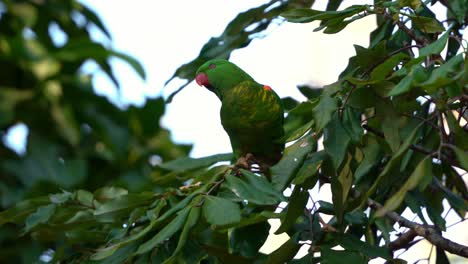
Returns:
<point x="202" y="79"/>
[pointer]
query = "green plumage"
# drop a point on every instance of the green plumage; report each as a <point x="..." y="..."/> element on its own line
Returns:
<point x="251" y="113"/>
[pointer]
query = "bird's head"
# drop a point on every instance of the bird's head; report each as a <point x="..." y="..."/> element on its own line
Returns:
<point x="220" y="75"/>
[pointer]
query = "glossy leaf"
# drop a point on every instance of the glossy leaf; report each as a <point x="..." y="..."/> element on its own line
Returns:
<point x="41" y="216"/>
<point x="219" y="211"/>
<point x="372" y="154"/>
<point x="186" y="163"/>
<point x="296" y="207"/>
<point x="435" y="47"/>
<point x="462" y="157"/>
<point x="422" y="171"/>
<point x="352" y="243"/>
<point x="247" y="191"/>
<point x="323" y="111"/>
<point x="330" y="256"/>
<point x="175" y="225"/>
<point x="444" y="75"/>
<point x="336" y="141"/>
<point x="427" y="24"/>
<point x="283" y="172"/>
<point x="247" y="240"/>
<point x="393" y="162"/>
<point x="192" y="220"/>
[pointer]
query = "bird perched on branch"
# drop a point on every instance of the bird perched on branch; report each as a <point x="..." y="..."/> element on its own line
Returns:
<point x="251" y="113"/>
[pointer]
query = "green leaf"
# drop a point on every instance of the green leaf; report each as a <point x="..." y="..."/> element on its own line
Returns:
<point x="324" y="110"/>
<point x="60" y="198"/>
<point x="298" y="133"/>
<point x="109" y="250"/>
<point x="21" y="210"/>
<point x="284" y="171"/>
<point x="310" y="167"/>
<point x="90" y="15"/>
<point x="26" y="12"/>
<point x="422" y="171"/>
<point x="415" y="76"/>
<point x="41" y="216"/>
<point x="192" y="220"/>
<point x="310" y="92"/>
<point x="186" y="163"/>
<point x="458" y="9"/>
<point x="247" y="240"/>
<point x="390" y="126"/>
<point x="362" y="98"/>
<point x="296" y="206"/>
<point x="352" y="124"/>
<point x="220" y="211"/>
<point x="427" y="24"/>
<point x="246" y="191"/>
<point x="336" y="141"/>
<point x="123" y="203"/>
<point x="175" y="225"/>
<point x="135" y="64"/>
<point x="261" y="184"/>
<point x="392" y="163"/>
<point x="330" y="256"/>
<point x="383" y="70"/>
<point x="372" y="155"/>
<point x="435" y="47"/>
<point x="284" y="253"/>
<point x="340" y="187"/>
<point x="85" y="198"/>
<point x="352" y="243"/>
<point x="414" y="4"/>
<point x="303" y="15"/>
<point x="462" y="157"/>
<point x="447" y="73"/>
<point x="109" y="193"/>
<point x="441" y="256"/>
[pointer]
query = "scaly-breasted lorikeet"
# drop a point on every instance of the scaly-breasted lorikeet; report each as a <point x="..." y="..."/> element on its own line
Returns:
<point x="251" y="113"/>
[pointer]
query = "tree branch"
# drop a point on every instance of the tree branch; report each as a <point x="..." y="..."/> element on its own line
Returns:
<point x="417" y="148"/>
<point x="419" y="40"/>
<point x="427" y="231"/>
<point x="403" y="241"/>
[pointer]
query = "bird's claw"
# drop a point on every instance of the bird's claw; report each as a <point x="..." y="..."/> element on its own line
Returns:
<point x="245" y="162"/>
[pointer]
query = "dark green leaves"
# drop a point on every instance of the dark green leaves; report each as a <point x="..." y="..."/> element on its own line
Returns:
<point x="187" y="163"/>
<point x="336" y="141"/>
<point x="462" y="157"/>
<point x="330" y="256"/>
<point x="42" y="215"/>
<point x="421" y="176"/>
<point x="427" y="24"/>
<point x="283" y="172"/>
<point x="220" y="211"/>
<point x="333" y="21"/>
<point x="175" y="225"/>
<point x="254" y="188"/>
<point x="324" y="111"/>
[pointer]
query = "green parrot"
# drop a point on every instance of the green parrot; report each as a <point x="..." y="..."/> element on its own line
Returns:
<point x="251" y="113"/>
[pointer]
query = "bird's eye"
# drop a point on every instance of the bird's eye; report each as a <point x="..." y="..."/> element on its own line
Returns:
<point x="212" y="66"/>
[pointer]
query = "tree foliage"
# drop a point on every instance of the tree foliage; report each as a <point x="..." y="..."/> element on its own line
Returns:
<point x="393" y="127"/>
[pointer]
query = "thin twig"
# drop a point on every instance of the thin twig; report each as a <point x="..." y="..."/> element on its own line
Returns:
<point x="404" y="241"/>
<point x="419" y="40"/>
<point x="427" y="231"/>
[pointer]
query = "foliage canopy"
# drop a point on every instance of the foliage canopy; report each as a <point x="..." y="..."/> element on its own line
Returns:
<point x="90" y="189"/>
